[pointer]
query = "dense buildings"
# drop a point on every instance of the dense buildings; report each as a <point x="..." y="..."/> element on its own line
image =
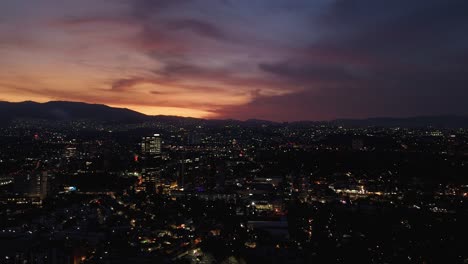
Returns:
<point x="231" y="192"/>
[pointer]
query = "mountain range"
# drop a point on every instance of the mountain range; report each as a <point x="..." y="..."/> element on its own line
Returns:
<point x="69" y="111"/>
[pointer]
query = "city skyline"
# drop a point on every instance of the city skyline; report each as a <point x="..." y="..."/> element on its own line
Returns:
<point x="175" y="190"/>
<point x="230" y="131"/>
<point x="272" y="60"/>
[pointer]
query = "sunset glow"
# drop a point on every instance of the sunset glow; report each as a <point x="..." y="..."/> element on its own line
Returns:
<point x="276" y="60"/>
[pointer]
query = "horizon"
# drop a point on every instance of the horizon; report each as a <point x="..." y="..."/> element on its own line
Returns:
<point x="270" y="60"/>
<point x="249" y="119"/>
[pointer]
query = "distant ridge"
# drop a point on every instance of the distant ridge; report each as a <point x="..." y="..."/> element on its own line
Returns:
<point x="442" y="121"/>
<point x="70" y="111"/>
<point x="67" y="111"/>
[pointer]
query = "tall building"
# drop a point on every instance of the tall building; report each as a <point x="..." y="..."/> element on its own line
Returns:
<point x="151" y="145"/>
<point x="33" y="184"/>
<point x="150" y="178"/>
<point x="181" y="179"/>
<point x="41" y="186"/>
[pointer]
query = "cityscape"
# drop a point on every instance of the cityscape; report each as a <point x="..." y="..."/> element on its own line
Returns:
<point x="202" y="191"/>
<point x="233" y="131"/>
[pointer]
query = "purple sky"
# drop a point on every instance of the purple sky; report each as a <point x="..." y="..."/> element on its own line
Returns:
<point x="277" y="60"/>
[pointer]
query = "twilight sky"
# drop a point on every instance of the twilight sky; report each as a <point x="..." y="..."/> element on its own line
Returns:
<point x="281" y="60"/>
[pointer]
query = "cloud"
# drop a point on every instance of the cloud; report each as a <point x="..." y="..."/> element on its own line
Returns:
<point x="199" y="27"/>
<point x="125" y="84"/>
<point x="148" y="8"/>
<point x="309" y="73"/>
<point x="396" y="58"/>
<point x="264" y="59"/>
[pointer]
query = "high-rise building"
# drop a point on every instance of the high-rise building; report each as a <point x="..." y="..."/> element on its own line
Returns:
<point x="33" y="184"/>
<point x="181" y="179"/>
<point x="151" y="145"/>
<point x="150" y="178"/>
<point x="41" y="188"/>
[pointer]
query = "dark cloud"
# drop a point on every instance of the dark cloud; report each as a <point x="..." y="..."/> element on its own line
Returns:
<point x="376" y="58"/>
<point x="167" y="82"/>
<point x="199" y="27"/>
<point x="123" y="85"/>
<point x="399" y="30"/>
<point x="309" y="73"/>
<point x="143" y="9"/>
<point x="180" y="70"/>
<point x="352" y="102"/>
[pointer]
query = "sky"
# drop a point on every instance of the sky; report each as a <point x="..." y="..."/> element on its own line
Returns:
<point x="281" y="60"/>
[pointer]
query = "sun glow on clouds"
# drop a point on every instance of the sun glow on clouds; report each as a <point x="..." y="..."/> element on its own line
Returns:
<point x="269" y="59"/>
<point x="153" y="63"/>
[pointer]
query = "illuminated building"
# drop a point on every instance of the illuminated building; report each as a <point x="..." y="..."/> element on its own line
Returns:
<point x="151" y="145"/>
<point x="70" y="152"/>
<point x="181" y="181"/>
<point x="150" y="176"/>
<point x="41" y="187"/>
<point x="32" y="185"/>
